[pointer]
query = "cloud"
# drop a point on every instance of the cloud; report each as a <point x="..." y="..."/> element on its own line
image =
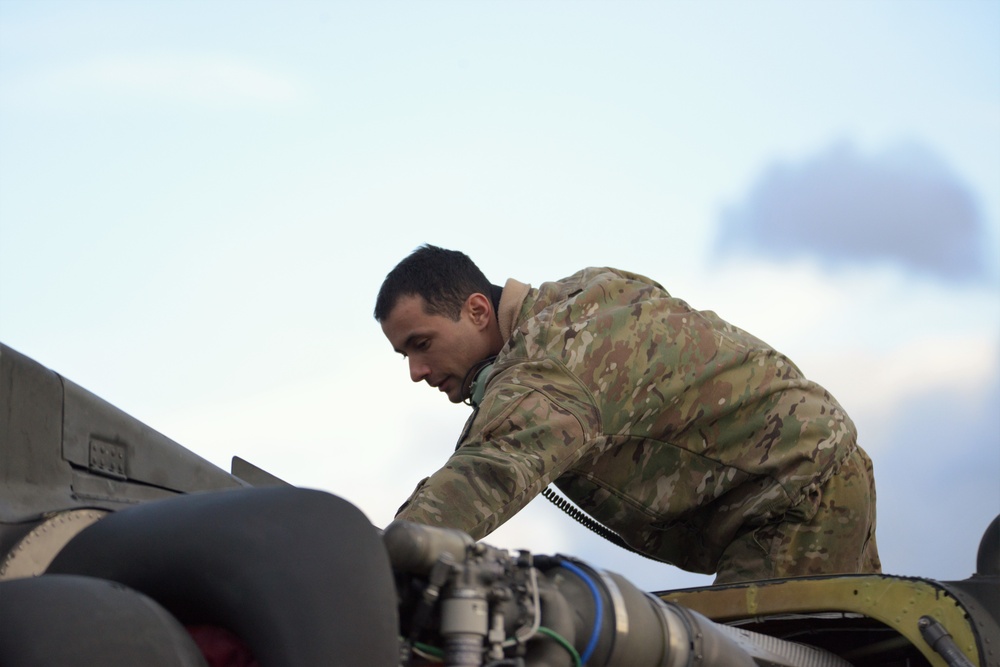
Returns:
<point x="962" y="363"/>
<point x="202" y="80"/>
<point x="903" y="206"/>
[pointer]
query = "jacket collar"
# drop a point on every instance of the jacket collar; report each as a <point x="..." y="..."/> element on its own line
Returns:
<point x="507" y="304"/>
<point x="511" y="300"/>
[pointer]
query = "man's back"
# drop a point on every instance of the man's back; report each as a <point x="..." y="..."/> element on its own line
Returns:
<point x="688" y="425"/>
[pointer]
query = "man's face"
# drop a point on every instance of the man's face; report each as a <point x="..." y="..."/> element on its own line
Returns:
<point x="440" y="350"/>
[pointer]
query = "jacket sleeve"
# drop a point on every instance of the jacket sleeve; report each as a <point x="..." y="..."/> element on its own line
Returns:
<point x="521" y="439"/>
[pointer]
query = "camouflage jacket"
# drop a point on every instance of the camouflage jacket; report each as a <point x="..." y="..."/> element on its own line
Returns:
<point x="667" y="424"/>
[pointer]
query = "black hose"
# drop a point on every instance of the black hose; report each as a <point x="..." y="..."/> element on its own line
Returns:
<point x="938" y="638"/>
<point x="591" y="524"/>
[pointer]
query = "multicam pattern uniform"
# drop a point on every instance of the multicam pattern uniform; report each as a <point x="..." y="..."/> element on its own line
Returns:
<point x="698" y="443"/>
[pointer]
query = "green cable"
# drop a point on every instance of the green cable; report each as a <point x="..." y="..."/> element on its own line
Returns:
<point x="438" y="653"/>
<point x="562" y="642"/>
<point x="431" y="651"/>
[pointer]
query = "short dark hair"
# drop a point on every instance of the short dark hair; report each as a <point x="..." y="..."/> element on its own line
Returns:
<point x="444" y="278"/>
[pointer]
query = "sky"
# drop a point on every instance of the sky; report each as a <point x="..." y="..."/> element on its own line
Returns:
<point x="199" y="201"/>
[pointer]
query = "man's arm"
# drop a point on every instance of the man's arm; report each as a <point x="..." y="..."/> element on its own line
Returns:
<point x="520" y="440"/>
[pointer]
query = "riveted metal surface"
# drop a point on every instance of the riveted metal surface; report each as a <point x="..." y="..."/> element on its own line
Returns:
<point x="898" y="602"/>
<point x="33" y="554"/>
<point x="108" y="458"/>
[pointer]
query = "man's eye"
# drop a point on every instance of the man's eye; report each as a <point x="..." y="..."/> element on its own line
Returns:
<point x="422" y="345"/>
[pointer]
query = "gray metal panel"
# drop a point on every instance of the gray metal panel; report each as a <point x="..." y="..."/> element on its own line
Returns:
<point x="62" y="447"/>
<point x="253" y="475"/>
<point x="95" y="433"/>
<point x="33" y="475"/>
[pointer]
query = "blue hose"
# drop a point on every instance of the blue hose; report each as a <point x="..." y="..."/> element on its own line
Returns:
<point x="598" y="605"/>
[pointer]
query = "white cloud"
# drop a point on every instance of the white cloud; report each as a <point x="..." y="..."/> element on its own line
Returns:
<point x="202" y="80"/>
<point x="964" y="363"/>
<point x="339" y="429"/>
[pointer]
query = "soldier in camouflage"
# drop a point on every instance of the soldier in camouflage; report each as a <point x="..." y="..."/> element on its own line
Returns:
<point x="696" y="442"/>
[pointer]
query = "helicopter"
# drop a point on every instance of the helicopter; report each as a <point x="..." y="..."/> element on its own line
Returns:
<point x="118" y="546"/>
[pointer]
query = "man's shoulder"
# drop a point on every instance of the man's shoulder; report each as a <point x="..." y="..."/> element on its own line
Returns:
<point x="594" y="287"/>
<point x="597" y="274"/>
<point x="593" y="276"/>
<point x="563" y="319"/>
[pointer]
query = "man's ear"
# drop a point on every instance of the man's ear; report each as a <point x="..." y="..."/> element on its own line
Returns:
<point x="479" y="309"/>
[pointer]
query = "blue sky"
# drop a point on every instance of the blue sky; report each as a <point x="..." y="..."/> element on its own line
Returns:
<point x="198" y="202"/>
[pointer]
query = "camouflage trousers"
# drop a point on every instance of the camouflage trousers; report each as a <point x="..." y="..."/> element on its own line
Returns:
<point x="838" y="539"/>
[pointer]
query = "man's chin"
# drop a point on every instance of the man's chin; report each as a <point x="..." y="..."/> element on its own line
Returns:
<point x="451" y="389"/>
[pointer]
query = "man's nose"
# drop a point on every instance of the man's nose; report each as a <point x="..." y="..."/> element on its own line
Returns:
<point x="418" y="370"/>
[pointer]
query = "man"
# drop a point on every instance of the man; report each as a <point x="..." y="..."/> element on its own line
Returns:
<point x="694" y="441"/>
